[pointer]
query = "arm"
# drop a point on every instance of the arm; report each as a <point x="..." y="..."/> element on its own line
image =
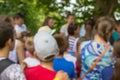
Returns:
<point x="62" y="31"/>
<point x="20" y="51"/>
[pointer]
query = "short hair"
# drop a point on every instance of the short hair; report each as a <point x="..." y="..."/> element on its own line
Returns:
<point x="71" y="28"/>
<point x="6" y="33"/>
<point x="19" y="15"/>
<point x="28" y="44"/>
<point x="62" y="43"/>
<point x="25" y="34"/>
<point x="68" y="15"/>
<point x="6" y="18"/>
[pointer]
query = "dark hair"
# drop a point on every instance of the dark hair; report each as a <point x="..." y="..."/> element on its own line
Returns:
<point x="6" y="33"/>
<point x="89" y="25"/>
<point x="46" y="21"/>
<point x="104" y="26"/>
<point x="68" y="15"/>
<point x="90" y="22"/>
<point x="116" y="50"/>
<point x="118" y="22"/>
<point x="6" y="18"/>
<point x="25" y="34"/>
<point x="72" y="28"/>
<point x="19" y="15"/>
<point x="62" y="43"/>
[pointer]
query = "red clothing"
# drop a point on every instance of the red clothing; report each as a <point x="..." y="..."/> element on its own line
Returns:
<point x="39" y="73"/>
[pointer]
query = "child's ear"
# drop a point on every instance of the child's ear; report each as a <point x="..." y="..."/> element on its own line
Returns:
<point x="36" y="56"/>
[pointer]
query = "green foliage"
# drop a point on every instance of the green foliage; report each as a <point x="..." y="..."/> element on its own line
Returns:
<point x="35" y="11"/>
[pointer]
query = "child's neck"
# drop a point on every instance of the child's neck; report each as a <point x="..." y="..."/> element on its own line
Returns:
<point x="4" y="52"/>
<point x="60" y="56"/>
<point x="99" y="39"/>
<point x="47" y="65"/>
<point x="66" y="52"/>
<point x="72" y="36"/>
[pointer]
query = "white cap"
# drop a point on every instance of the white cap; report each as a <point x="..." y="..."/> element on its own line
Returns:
<point x="47" y="29"/>
<point x="45" y="45"/>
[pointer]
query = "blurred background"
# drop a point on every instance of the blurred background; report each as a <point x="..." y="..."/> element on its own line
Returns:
<point x="35" y="11"/>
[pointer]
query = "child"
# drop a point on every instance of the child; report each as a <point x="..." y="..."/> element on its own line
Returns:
<point x="46" y="49"/>
<point x="31" y="59"/>
<point x="116" y="69"/>
<point x="19" y="24"/>
<point x="59" y="61"/>
<point x="73" y="31"/>
<point x="8" y="69"/>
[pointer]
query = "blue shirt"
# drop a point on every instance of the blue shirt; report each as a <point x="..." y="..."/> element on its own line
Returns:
<point x="107" y="73"/>
<point x="66" y="66"/>
<point x="90" y="51"/>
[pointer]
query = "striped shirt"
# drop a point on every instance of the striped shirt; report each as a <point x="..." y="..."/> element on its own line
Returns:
<point x="72" y="45"/>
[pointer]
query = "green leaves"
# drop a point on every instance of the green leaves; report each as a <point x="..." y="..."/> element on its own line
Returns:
<point x="35" y="11"/>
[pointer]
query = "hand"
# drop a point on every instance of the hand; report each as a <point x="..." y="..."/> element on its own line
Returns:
<point x="62" y="75"/>
<point x="23" y="65"/>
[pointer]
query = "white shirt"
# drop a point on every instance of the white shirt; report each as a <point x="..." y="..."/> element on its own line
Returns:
<point x="64" y="30"/>
<point x="31" y="62"/>
<point x="20" y="29"/>
<point x="70" y="58"/>
<point x="13" y="54"/>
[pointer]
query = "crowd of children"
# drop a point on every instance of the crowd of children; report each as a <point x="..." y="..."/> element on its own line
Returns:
<point x="89" y="52"/>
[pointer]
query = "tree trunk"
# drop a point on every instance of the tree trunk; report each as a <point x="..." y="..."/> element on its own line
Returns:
<point x="105" y="8"/>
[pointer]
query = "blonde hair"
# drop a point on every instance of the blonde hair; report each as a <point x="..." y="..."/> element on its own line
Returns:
<point x="29" y="44"/>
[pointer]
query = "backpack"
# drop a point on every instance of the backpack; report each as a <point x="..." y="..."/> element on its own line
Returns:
<point x="4" y="64"/>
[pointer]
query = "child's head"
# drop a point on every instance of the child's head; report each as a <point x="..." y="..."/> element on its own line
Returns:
<point x="89" y="24"/>
<point x="104" y="27"/>
<point x="25" y="35"/>
<point x="29" y="45"/>
<point x="116" y="52"/>
<point x="7" y="18"/>
<point x="62" y="43"/>
<point x="6" y="36"/>
<point x="117" y="48"/>
<point x="73" y="29"/>
<point x="19" y="19"/>
<point x="70" y="18"/>
<point x="118" y="26"/>
<point x="45" y="46"/>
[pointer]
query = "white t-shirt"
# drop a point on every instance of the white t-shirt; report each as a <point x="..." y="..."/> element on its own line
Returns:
<point x="20" y="29"/>
<point x="13" y="54"/>
<point x="31" y="62"/>
<point x="70" y="58"/>
<point x="64" y="30"/>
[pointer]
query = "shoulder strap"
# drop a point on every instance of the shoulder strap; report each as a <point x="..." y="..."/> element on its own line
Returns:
<point x="4" y="64"/>
<point x="95" y="63"/>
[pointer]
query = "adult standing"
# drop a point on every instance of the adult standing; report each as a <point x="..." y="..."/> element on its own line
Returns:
<point x="64" y="28"/>
<point x="91" y="51"/>
<point x="48" y="25"/>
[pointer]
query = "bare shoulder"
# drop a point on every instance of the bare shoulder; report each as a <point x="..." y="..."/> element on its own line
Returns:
<point x="20" y="43"/>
